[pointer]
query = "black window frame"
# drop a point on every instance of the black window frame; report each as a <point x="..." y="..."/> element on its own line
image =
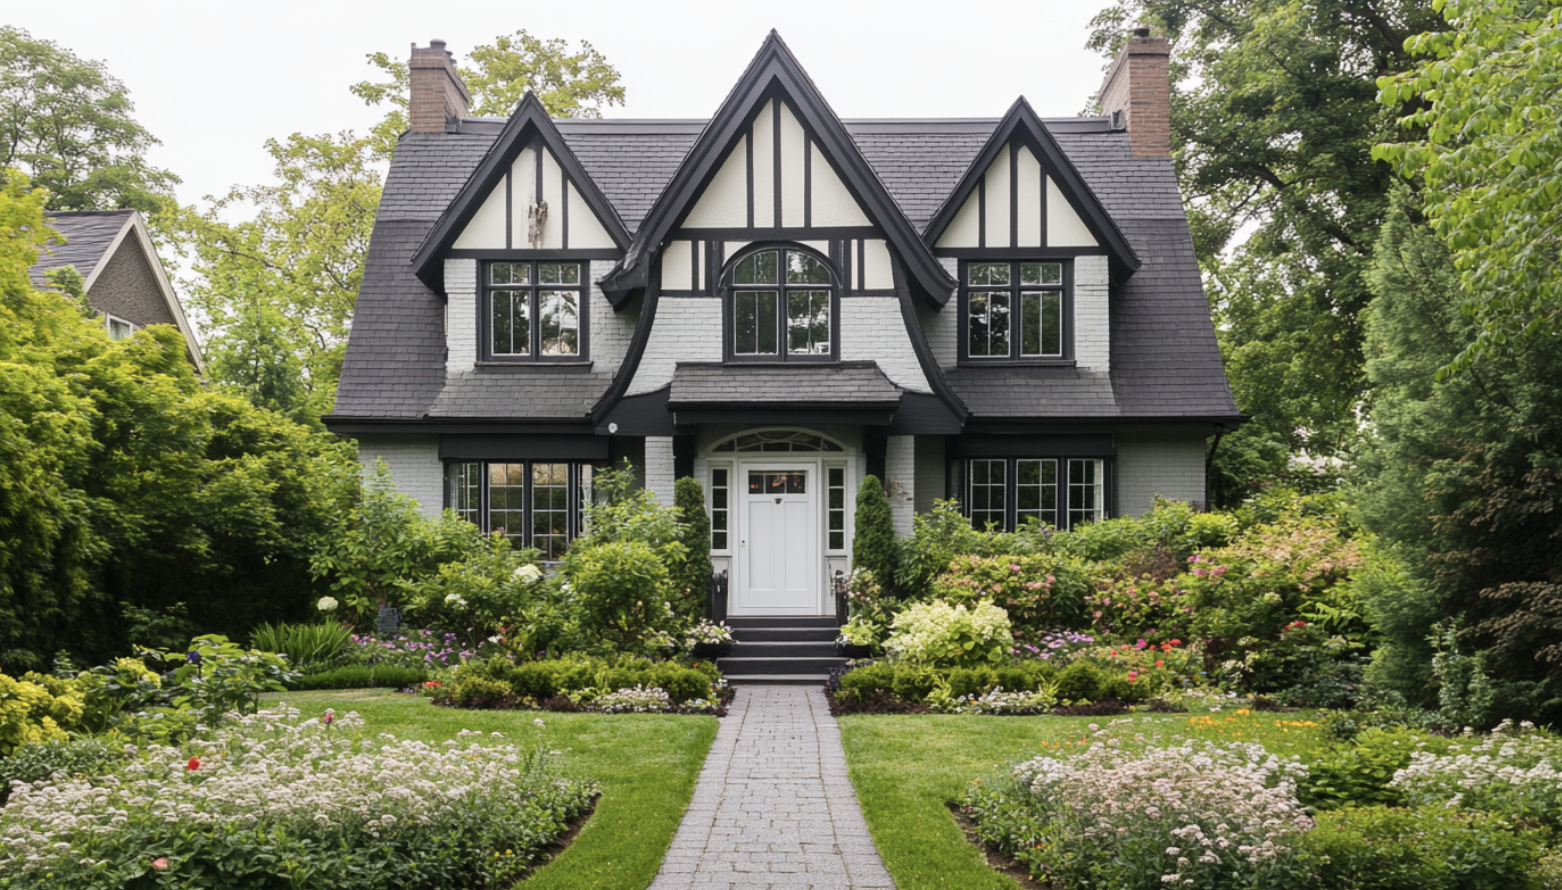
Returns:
<point x="578" y="497"/>
<point x="727" y="292"/>
<point x="1014" y="288"/>
<point x="486" y="290"/>
<point x="1010" y="483"/>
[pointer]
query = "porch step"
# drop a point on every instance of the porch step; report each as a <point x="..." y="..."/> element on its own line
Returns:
<point x="785" y="649"/>
<point x="743" y="667"/>
<point x="785" y="634"/>
<point x="777" y="679"/>
<point x="784" y="621"/>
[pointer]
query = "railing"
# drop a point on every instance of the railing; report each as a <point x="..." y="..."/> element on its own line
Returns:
<point x="839" y="586"/>
<point x="718" y="596"/>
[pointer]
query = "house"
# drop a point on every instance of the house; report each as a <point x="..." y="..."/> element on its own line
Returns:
<point x="124" y="279"/>
<point x="779" y="302"/>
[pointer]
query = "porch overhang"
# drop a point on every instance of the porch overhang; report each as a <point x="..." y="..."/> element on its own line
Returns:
<point x="782" y="393"/>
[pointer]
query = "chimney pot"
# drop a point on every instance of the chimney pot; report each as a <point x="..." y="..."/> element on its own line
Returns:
<point x="1137" y="93"/>
<point x="439" y="96"/>
<point x="440" y="44"/>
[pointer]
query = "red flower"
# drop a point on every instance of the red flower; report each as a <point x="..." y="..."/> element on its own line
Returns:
<point x="194" y="764"/>
<point x="1176" y="642"/>
<point x="1132" y="676"/>
<point x="432" y="684"/>
<point x="160" y="863"/>
<point x="1159" y="663"/>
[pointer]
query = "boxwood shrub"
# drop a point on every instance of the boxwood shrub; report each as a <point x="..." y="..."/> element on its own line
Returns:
<point x="362" y="676"/>
<point x="549" y="678"/>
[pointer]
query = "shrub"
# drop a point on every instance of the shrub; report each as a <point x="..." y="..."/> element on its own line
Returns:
<point x="915" y="682"/>
<point x="1513" y="772"/>
<point x="873" y="533"/>
<point x="414" y="649"/>
<point x="358" y="676"/>
<point x="36" y="761"/>
<point x="1361" y="773"/>
<point x="622" y="589"/>
<point x="1216" y="815"/>
<point x="304" y="645"/>
<point x="1378" y="847"/>
<point x="939" y="635"/>
<point x="37" y="708"/>
<point x="579" y="677"/>
<point x="476" y="595"/>
<point x="691" y="579"/>
<point x="1041" y="591"/>
<point x="275" y="801"/>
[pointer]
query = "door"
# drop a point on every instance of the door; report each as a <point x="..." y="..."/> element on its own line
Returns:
<point x="778" y="548"/>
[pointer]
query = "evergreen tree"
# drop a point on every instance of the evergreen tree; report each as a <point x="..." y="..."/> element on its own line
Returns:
<point x="694" y="530"/>
<point x="873" y="535"/>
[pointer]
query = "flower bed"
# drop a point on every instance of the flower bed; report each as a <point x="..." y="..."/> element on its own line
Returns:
<point x="277" y="801"/>
<point x="580" y="683"/>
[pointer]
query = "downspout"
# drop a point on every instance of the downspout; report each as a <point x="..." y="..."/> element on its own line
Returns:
<point x="1209" y="465"/>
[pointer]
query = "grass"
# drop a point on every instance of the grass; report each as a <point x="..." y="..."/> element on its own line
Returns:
<point x="907" y="769"/>
<point x="646" y="765"/>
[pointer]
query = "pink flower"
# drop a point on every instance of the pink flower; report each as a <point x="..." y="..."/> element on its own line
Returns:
<point x="1013" y="568"/>
<point x="1141" y="644"/>
<point x="160" y="863"/>
<point x="1132" y="676"/>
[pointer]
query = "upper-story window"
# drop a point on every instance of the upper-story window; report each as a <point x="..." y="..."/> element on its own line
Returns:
<point x="1014" y="311"/>
<point x="780" y="306"/>
<point x="534" y="312"/>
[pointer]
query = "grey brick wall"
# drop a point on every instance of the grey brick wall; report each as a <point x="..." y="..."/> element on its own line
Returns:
<point x="900" y="471"/>
<point x="1092" y="316"/>
<point x="1172" y="467"/>
<point x="460" y="315"/>
<point x="687" y="329"/>
<point x="872" y="330"/>
<point x="930" y="472"/>
<point x="659" y="468"/>
<point x="414" y="465"/>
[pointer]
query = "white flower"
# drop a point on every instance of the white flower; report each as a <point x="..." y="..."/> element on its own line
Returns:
<point x="327" y="604"/>
<point x="537" y="722"/>
<point x="529" y="574"/>
<point x="454" y="599"/>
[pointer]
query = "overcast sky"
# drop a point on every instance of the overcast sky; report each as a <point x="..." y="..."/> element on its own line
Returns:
<point x="214" y="80"/>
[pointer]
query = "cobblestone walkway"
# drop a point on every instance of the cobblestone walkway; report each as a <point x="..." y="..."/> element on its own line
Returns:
<point x="773" y="807"/>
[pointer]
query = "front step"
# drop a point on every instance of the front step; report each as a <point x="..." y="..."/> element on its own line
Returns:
<point x="781" y="649"/>
<point x="785" y="634"/>
<point x="784" y="649"/>
<point x="777" y="679"/>
<point x="743" y="667"/>
<point x="784" y="621"/>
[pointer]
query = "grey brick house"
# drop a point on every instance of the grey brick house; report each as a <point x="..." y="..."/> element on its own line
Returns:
<point x="779" y="302"/>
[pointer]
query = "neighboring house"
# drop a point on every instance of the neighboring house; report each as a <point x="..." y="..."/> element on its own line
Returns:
<point x="778" y="302"/>
<point x="125" y="282"/>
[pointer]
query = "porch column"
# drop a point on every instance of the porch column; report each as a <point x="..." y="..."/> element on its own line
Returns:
<point x="659" y="468"/>
<point x="900" y="479"/>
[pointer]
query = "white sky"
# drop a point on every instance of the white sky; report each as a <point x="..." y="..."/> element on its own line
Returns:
<point x="214" y="80"/>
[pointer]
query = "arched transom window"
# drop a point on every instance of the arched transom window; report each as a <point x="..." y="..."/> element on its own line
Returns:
<point x="777" y="440"/>
<point x="781" y="307"/>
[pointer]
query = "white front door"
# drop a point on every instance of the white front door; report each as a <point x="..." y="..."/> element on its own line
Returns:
<point x="778" y="549"/>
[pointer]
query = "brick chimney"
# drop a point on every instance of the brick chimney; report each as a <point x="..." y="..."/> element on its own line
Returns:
<point x="1137" y="93"/>
<point x="439" y="96"/>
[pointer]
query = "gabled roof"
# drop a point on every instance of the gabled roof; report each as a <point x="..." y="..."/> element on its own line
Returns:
<point x="1021" y="122"/>
<point x="774" y="67"/>
<point x="529" y="122"/>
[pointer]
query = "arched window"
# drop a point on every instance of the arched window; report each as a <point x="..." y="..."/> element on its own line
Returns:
<point x="780" y="306"/>
<point x="778" y="440"/>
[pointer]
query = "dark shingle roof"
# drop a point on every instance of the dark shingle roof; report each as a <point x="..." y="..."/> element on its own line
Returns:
<point x="848" y="383"/>
<point x="1165" y="362"/>
<point x="87" y="235"/>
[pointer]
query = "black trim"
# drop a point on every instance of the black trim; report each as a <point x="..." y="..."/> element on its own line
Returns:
<point x="535" y="358"/>
<point x="575" y="518"/>
<point x="1038" y="445"/>
<point x="924" y="352"/>
<point x="775" y="156"/>
<point x="859" y="414"/>
<point x="774" y="71"/>
<point x="1014" y="195"/>
<point x="981" y="211"/>
<point x="808" y="182"/>
<point x="509" y="215"/>
<point x="645" y="414"/>
<point x="499" y="447"/>
<point x="1018" y="253"/>
<point x="530" y="120"/>
<point x="520" y="256"/>
<point x="782" y="233"/>
<point x="923" y="414"/>
<point x="1022" y="123"/>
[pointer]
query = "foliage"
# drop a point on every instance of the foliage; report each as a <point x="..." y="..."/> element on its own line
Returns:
<point x="1481" y="107"/>
<point x="37" y="708"/>
<point x="569" y="84"/>
<point x="36" y="761"/>
<point x="1037" y="592"/>
<point x="1462" y="479"/>
<point x="340" y="811"/>
<point x="1359" y="773"/>
<point x="915" y="682"/>
<point x="1514" y="772"/>
<point x="1230" y="816"/>
<point x="215" y="676"/>
<point x="305" y="645"/>
<point x="387" y="543"/>
<point x="707" y="633"/>
<point x="1393" y="848"/>
<point x="874" y="547"/>
<point x="941" y="635"/>
<point x="580" y="677"/>
<point x="622" y="589"/>
<point x="476" y="596"/>
<point x="67" y="123"/>
<point x="421" y="649"/>
<point x="1148" y="669"/>
<point x="359" y="676"/>
<point x="1273" y="120"/>
<point x="692" y="581"/>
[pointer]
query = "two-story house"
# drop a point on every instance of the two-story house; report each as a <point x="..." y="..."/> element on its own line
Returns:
<point x="779" y="302"/>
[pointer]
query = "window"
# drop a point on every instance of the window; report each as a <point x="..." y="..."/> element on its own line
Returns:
<point x="781" y="307"/>
<point x="1005" y="492"/>
<point x="835" y="509"/>
<point x="533" y="503"/>
<point x="777" y="440"/>
<point x="718" y="507"/>
<point x="1014" y="311"/>
<point x="534" y="312"/>
<point x="118" y="328"/>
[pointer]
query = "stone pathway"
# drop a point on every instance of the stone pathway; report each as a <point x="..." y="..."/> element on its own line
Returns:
<point x="773" y="807"/>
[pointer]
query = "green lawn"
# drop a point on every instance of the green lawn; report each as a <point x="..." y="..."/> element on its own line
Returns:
<point x="645" y="763"/>
<point x="906" y="770"/>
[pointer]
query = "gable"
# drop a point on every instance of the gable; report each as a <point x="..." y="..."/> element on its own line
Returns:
<point x="1016" y="203"/>
<point x="535" y="178"/>
<point x="775" y="176"/>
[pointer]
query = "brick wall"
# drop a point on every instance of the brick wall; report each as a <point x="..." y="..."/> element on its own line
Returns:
<point x="687" y="329"/>
<point x="1169" y="466"/>
<point x="438" y="94"/>
<point x="659" y="472"/>
<point x="872" y="329"/>
<point x="1092" y="313"/>
<point x="414" y="466"/>
<point x="127" y="287"/>
<point x="609" y="332"/>
<point x="1139" y="86"/>
<point x="900" y="480"/>
<point x="460" y="315"/>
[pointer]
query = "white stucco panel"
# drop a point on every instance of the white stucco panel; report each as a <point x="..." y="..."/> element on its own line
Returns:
<point x="833" y="204"/>
<point x="724" y="203"/>
<point x="1029" y="190"/>
<point x="553" y="193"/>
<point x="523" y="193"/>
<point x="965" y="229"/>
<point x="686" y="329"/>
<point x="997" y="189"/>
<point x="486" y="231"/>
<point x="586" y="232"/>
<point x="877" y="273"/>
<point x="794" y="145"/>
<point x="677" y="265"/>
<point x="1064" y="227"/>
<point x="763" y="134"/>
<point x="872" y="330"/>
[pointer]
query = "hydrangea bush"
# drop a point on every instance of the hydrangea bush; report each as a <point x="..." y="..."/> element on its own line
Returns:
<point x="938" y="634"/>
<point x="274" y="800"/>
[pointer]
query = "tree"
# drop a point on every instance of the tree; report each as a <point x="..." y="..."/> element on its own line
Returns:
<point x="277" y="289"/>
<point x="569" y="84"/>
<point x="66" y="123"/>
<point x="1465" y="477"/>
<point x="1484" y="101"/>
<point x="873" y="534"/>
<point x="694" y="531"/>
<point x="1274" y="116"/>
